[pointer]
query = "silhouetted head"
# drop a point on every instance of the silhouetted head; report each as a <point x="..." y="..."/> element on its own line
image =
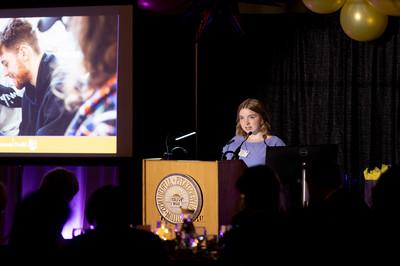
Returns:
<point x="260" y="187"/>
<point x="323" y="178"/>
<point x="386" y="197"/>
<point x="61" y="182"/>
<point x="107" y="209"/>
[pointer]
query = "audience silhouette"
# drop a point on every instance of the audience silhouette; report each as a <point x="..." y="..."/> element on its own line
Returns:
<point x="112" y="238"/>
<point x="386" y="207"/>
<point x="335" y="224"/>
<point x="386" y="199"/>
<point x="336" y="219"/>
<point x="257" y="230"/>
<point x="40" y="217"/>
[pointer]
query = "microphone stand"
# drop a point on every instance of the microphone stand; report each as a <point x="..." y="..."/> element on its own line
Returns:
<point x="223" y="157"/>
<point x="168" y="155"/>
<point x="237" y="151"/>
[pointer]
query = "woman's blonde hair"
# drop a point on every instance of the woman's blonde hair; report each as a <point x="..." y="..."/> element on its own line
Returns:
<point x="258" y="107"/>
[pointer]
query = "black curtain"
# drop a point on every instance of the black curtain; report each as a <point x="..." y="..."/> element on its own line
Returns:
<point x="320" y="85"/>
<point x="163" y="103"/>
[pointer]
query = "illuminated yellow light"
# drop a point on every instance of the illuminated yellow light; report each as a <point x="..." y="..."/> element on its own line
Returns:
<point x="58" y="144"/>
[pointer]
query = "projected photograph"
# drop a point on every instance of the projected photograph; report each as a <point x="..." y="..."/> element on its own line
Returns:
<point x="58" y="84"/>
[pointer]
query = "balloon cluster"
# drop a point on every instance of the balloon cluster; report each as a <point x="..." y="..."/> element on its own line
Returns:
<point x="361" y="20"/>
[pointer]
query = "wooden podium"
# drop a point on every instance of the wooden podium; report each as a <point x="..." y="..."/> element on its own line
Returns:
<point x="207" y="187"/>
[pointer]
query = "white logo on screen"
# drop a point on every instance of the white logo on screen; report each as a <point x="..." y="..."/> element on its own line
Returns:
<point x="32" y="144"/>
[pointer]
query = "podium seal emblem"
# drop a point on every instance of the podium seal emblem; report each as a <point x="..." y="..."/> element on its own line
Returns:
<point x="177" y="195"/>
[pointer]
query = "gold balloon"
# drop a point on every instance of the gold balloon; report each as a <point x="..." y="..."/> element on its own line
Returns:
<point x="324" y="6"/>
<point x="361" y="22"/>
<point x="387" y="7"/>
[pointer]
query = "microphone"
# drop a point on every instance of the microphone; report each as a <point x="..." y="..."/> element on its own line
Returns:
<point x="46" y="23"/>
<point x="236" y="152"/>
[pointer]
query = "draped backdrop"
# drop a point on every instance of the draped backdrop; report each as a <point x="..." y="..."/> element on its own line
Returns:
<point x="321" y="87"/>
<point x="330" y="89"/>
